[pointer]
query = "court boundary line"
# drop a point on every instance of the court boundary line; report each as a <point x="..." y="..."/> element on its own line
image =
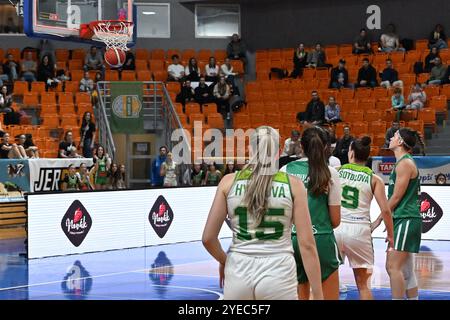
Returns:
<point x="94" y="277"/>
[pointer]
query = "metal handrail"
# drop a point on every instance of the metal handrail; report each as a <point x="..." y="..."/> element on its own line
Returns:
<point x="109" y="143"/>
<point x="170" y="116"/>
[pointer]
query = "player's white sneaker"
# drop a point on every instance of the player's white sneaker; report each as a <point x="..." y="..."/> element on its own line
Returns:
<point x="342" y="288"/>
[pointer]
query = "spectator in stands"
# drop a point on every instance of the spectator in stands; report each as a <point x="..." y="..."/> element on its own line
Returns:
<point x="5" y="100"/>
<point x="437" y="38"/>
<point x="315" y="110"/>
<point x="94" y="60"/>
<point x="175" y="70"/>
<point x="121" y="178"/>
<point x="367" y="75"/>
<point x="389" y="76"/>
<point x="46" y="48"/>
<point x="203" y="92"/>
<point x="26" y="141"/>
<point x="112" y="177"/>
<point x="317" y="58"/>
<point x="87" y="132"/>
<point x="102" y="164"/>
<point x="390" y="40"/>
<point x="130" y="62"/>
<point x="438" y="72"/>
<point x="156" y="179"/>
<point x="230" y="168"/>
<point x="187" y="93"/>
<point x="429" y="59"/>
<point x="169" y="171"/>
<point x="237" y="50"/>
<point x="331" y="146"/>
<point x="3" y="76"/>
<point x="87" y="84"/>
<point x="213" y="176"/>
<point x="339" y="76"/>
<point x="11" y="151"/>
<point x="343" y="145"/>
<point x="212" y="71"/>
<point x="417" y="97"/>
<point x="67" y="147"/>
<point x="398" y="102"/>
<point x="71" y="181"/>
<point x="300" y="61"/>
<point x="11" y="67"/>
<point x="192" y="71"/>
<point x="226" y="70"/>
<point x="28" y="68"/>
<point x="362" y="43"/>
<point x="85" y="179"/>
<point x="390" y="133"/>
<point x="197" y="175"/>
<point x="447" y="76"/>
<point x="332" y="111"/>
<point x="11" y="26"/>
<point x="222" y="95"/>
<point x="46" y="72"/>
<point x="291" y="144"/>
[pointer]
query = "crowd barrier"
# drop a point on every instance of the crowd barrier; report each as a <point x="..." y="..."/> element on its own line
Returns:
<point x="80" y="222"/>
<point x="430" y="168"/>
<point x="33" y="175"/>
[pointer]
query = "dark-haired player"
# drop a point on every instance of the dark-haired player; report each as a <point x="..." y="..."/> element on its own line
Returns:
<point x="354" y="234"/>
<point x="403" y="194"/>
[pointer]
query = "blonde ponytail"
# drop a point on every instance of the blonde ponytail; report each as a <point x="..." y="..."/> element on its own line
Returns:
<point x="263" y="165"/>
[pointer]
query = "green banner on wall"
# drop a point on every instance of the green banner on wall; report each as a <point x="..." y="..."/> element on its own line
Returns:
<point x="127" y="112"/>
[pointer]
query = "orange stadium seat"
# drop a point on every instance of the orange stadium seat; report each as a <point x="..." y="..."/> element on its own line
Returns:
<point x="20" y="87"/>
<point x="158" y="54"/>
<point x="192" y="107"/>
<point x="51" y="121"/>
<point x="128" y="75"/>
<point x="38" y="86"/>
<point x="84" y="107"/>
<point x="71" y="86"/>
<point x="31" y="99"/>
<point x="82" y="97"/>
<point x="62" y="55"/>
<point x="65" y="108"/>
<point x="111" y="75"/>
<point x="160" y="75"/>
<point x="144" y="75"/>
<point x="77" y="75"/>
<point x="156" y="65"/>
<point x="49" y="108"/>
<point x="48" y="98"/>
<point x="215" y="120"/>
<point x="142" y="54"/>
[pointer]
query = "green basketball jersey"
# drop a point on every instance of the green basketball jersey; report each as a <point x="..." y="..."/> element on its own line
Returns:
<point x="408" y="206"/>
<point x="270" y="235"/>
<point x="318" y="205"/>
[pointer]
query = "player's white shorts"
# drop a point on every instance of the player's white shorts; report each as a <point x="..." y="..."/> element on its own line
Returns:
<point x="355" y="242"/>
<point x="271" y="277"/>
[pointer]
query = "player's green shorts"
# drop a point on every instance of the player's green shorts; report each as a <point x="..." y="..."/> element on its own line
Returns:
<point x="407" y="234"/>
<point x="101" y="180"/>
<point x="329" y="256"/>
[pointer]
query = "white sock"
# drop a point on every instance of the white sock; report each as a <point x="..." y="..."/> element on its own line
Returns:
<point x="396" y="299"/>
<point x="414" y="298"/>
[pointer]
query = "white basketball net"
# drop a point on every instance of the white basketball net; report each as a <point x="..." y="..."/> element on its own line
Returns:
<point x="114" y="34"/>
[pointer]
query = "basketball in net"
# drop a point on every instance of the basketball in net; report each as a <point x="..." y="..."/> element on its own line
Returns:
<point x="116" y="35"/>
<point x="115" y="57"/>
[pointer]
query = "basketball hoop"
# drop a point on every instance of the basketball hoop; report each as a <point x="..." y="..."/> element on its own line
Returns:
<point x="114" y="33"/>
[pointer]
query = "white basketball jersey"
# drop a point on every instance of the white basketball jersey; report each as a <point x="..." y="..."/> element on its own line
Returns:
<point x="357" y="194"/>
<point x="271" y="235"/>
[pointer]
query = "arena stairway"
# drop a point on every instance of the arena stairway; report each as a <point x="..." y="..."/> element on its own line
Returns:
<point x="440" y="144"/>
<point x="12" y="220"/>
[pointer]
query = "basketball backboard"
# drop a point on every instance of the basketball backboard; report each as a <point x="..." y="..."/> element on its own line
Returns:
<point x="61" y="19"/>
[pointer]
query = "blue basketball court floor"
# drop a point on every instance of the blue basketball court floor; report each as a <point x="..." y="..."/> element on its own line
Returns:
<point x="182" y="271"/>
